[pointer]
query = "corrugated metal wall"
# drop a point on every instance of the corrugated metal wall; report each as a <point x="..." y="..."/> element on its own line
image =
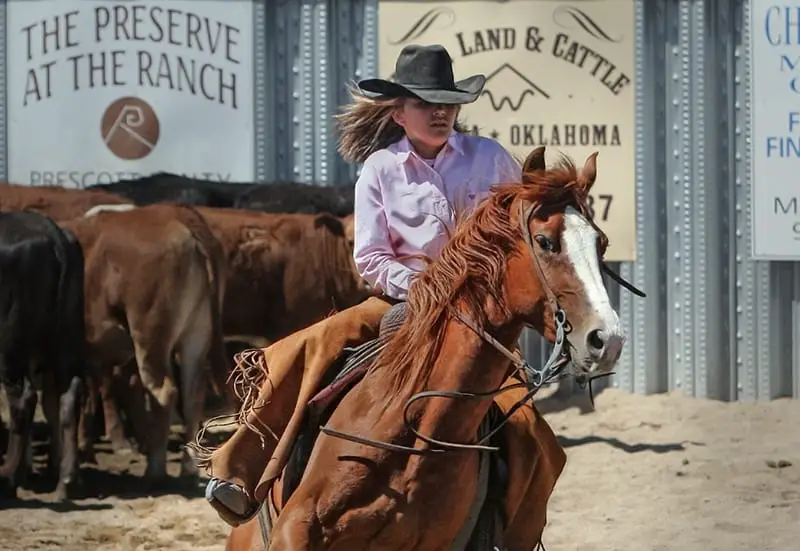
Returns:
<point x="715" y="324"/>
<point x="306" y="53"/>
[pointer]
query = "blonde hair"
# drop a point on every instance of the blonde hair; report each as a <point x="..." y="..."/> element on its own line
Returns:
<point x="366" y="125"/>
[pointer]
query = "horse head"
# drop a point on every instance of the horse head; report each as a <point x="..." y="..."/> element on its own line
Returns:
<point x="554" y="274"/>
<point x="531" y="254"/>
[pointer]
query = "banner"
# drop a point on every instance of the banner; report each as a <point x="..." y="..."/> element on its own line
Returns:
<point x="559" y="74"/>
<point x="103" y="90"/>
<point x="775" y="43"/>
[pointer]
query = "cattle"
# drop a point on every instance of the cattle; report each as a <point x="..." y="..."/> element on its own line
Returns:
<point x="285" y="271"/>
<point x="55" y="202"/>
<point x="271" y="289"/>
<point x="293" y="197"/>
<point x="41" y="342"/>
<point x="291" y="298"/>
<point x="282" y="197"/>
<point x="154" y="286"/>
<point x="166" y="187"/>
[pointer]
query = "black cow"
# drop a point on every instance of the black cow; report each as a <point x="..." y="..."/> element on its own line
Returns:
<point x="297" y="197"/>
<point x="42" y="339"/>
<point x="162" y="187"/>
<point x="276" y="196"/>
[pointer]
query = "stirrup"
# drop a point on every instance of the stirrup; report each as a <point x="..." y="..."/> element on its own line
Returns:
<point x="233" y="518"/>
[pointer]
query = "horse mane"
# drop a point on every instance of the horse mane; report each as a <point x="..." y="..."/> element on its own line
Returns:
<point x="471" y="269"/>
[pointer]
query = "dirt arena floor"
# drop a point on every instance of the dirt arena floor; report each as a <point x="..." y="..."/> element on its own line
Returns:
<point x="649" y="473"/>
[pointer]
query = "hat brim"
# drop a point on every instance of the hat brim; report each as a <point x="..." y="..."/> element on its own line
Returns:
<point x="465" y="91"/>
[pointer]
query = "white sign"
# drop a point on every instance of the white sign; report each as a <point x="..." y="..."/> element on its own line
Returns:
<point x="103" y="90"/>
<point x="775" y="30"/>
<point x="558" y="73"/>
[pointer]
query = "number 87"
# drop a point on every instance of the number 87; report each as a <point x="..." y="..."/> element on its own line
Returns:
<point x="603" y="205"/>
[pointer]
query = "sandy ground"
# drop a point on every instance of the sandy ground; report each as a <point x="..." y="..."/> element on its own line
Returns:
<point x="644" y="473"/>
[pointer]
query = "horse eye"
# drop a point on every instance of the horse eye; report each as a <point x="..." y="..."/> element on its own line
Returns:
<point x="544" y="242"/>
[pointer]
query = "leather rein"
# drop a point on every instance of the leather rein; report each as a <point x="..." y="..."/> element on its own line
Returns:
<point x="536" y="378"/>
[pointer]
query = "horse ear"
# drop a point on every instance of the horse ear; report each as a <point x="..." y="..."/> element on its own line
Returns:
<point x="534" y="161"/>
<point x="589" y="171"/>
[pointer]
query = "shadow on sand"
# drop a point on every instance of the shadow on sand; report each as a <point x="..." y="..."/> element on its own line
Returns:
<point x="118" y="474"/>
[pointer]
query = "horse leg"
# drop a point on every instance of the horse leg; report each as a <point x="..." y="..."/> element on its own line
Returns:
<point x="297" y="528"/>
<point x="246" y="537"/>
<point x="22" y="402"/>
<point x="535" y="462"/>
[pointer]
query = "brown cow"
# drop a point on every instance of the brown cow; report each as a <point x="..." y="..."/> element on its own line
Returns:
<point x="56" y="202"/>
<point x="154" y="286"/>
<point x="285" y="271"/>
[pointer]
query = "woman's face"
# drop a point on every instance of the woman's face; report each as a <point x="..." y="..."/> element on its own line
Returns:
<point x="427" y="125"/>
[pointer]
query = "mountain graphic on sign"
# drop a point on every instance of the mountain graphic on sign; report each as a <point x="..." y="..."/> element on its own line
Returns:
<point x="514" y="85"/>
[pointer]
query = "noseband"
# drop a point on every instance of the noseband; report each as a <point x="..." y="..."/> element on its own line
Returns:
<point x="535" y="378"/>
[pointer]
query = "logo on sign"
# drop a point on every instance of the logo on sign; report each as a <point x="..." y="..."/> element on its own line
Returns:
<point x="119" y="68"/>
<point x="506" y="77"/>
<point x="509" y="86"/>
<point x="130" y="128"/>
<point x="558" y="74"/>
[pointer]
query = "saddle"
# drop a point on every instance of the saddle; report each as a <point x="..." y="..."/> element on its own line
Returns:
<point x="483" y="530"/>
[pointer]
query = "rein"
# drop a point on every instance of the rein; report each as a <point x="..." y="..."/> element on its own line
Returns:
<point x="536" y="378"/>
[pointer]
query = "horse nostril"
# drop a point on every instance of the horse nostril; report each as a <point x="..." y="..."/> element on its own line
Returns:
<point x="595" y="341"/>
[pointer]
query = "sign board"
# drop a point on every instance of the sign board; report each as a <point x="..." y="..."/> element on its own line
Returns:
<point x="775" y="32"/>
<point x="103" y="90"/>
<point x="559" y="74"/>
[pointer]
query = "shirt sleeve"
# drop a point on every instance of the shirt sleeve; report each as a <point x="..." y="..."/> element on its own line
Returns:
<point x="373" y="253"/>
<point x="506" y="167"/>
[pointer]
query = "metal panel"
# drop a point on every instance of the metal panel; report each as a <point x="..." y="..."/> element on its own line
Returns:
<point x="745" y="269"/>
<point x="265" y="140"/>
<point x="649" y="329"/>
<point x="3" y="88"/>
<point x="314" y="48"/>
<point x="715" y="324"/>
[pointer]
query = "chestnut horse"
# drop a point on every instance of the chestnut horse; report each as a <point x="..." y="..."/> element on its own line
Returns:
<point x="380" y="475"/>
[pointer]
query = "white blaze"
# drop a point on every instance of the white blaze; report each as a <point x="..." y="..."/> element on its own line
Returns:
<point x="580" y="244"/>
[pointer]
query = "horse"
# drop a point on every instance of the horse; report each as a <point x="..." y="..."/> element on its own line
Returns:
<point x="379" y="474"/>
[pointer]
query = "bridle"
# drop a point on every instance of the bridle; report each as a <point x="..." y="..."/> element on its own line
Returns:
<point x="535" y="378"/>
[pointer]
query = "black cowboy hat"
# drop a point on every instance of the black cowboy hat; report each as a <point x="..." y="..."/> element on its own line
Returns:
<point x="425" y="72"/>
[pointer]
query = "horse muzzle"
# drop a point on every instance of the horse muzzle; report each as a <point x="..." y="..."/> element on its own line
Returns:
<point x="603" y="349"/>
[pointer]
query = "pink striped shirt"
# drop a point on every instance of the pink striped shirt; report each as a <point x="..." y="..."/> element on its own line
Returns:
<point x="405" y="205"/>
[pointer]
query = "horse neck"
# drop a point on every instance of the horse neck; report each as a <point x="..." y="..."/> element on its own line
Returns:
<point x="468" y="363"/>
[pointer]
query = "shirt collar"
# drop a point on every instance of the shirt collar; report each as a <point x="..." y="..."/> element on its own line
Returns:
<point x="403" y="149"/>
